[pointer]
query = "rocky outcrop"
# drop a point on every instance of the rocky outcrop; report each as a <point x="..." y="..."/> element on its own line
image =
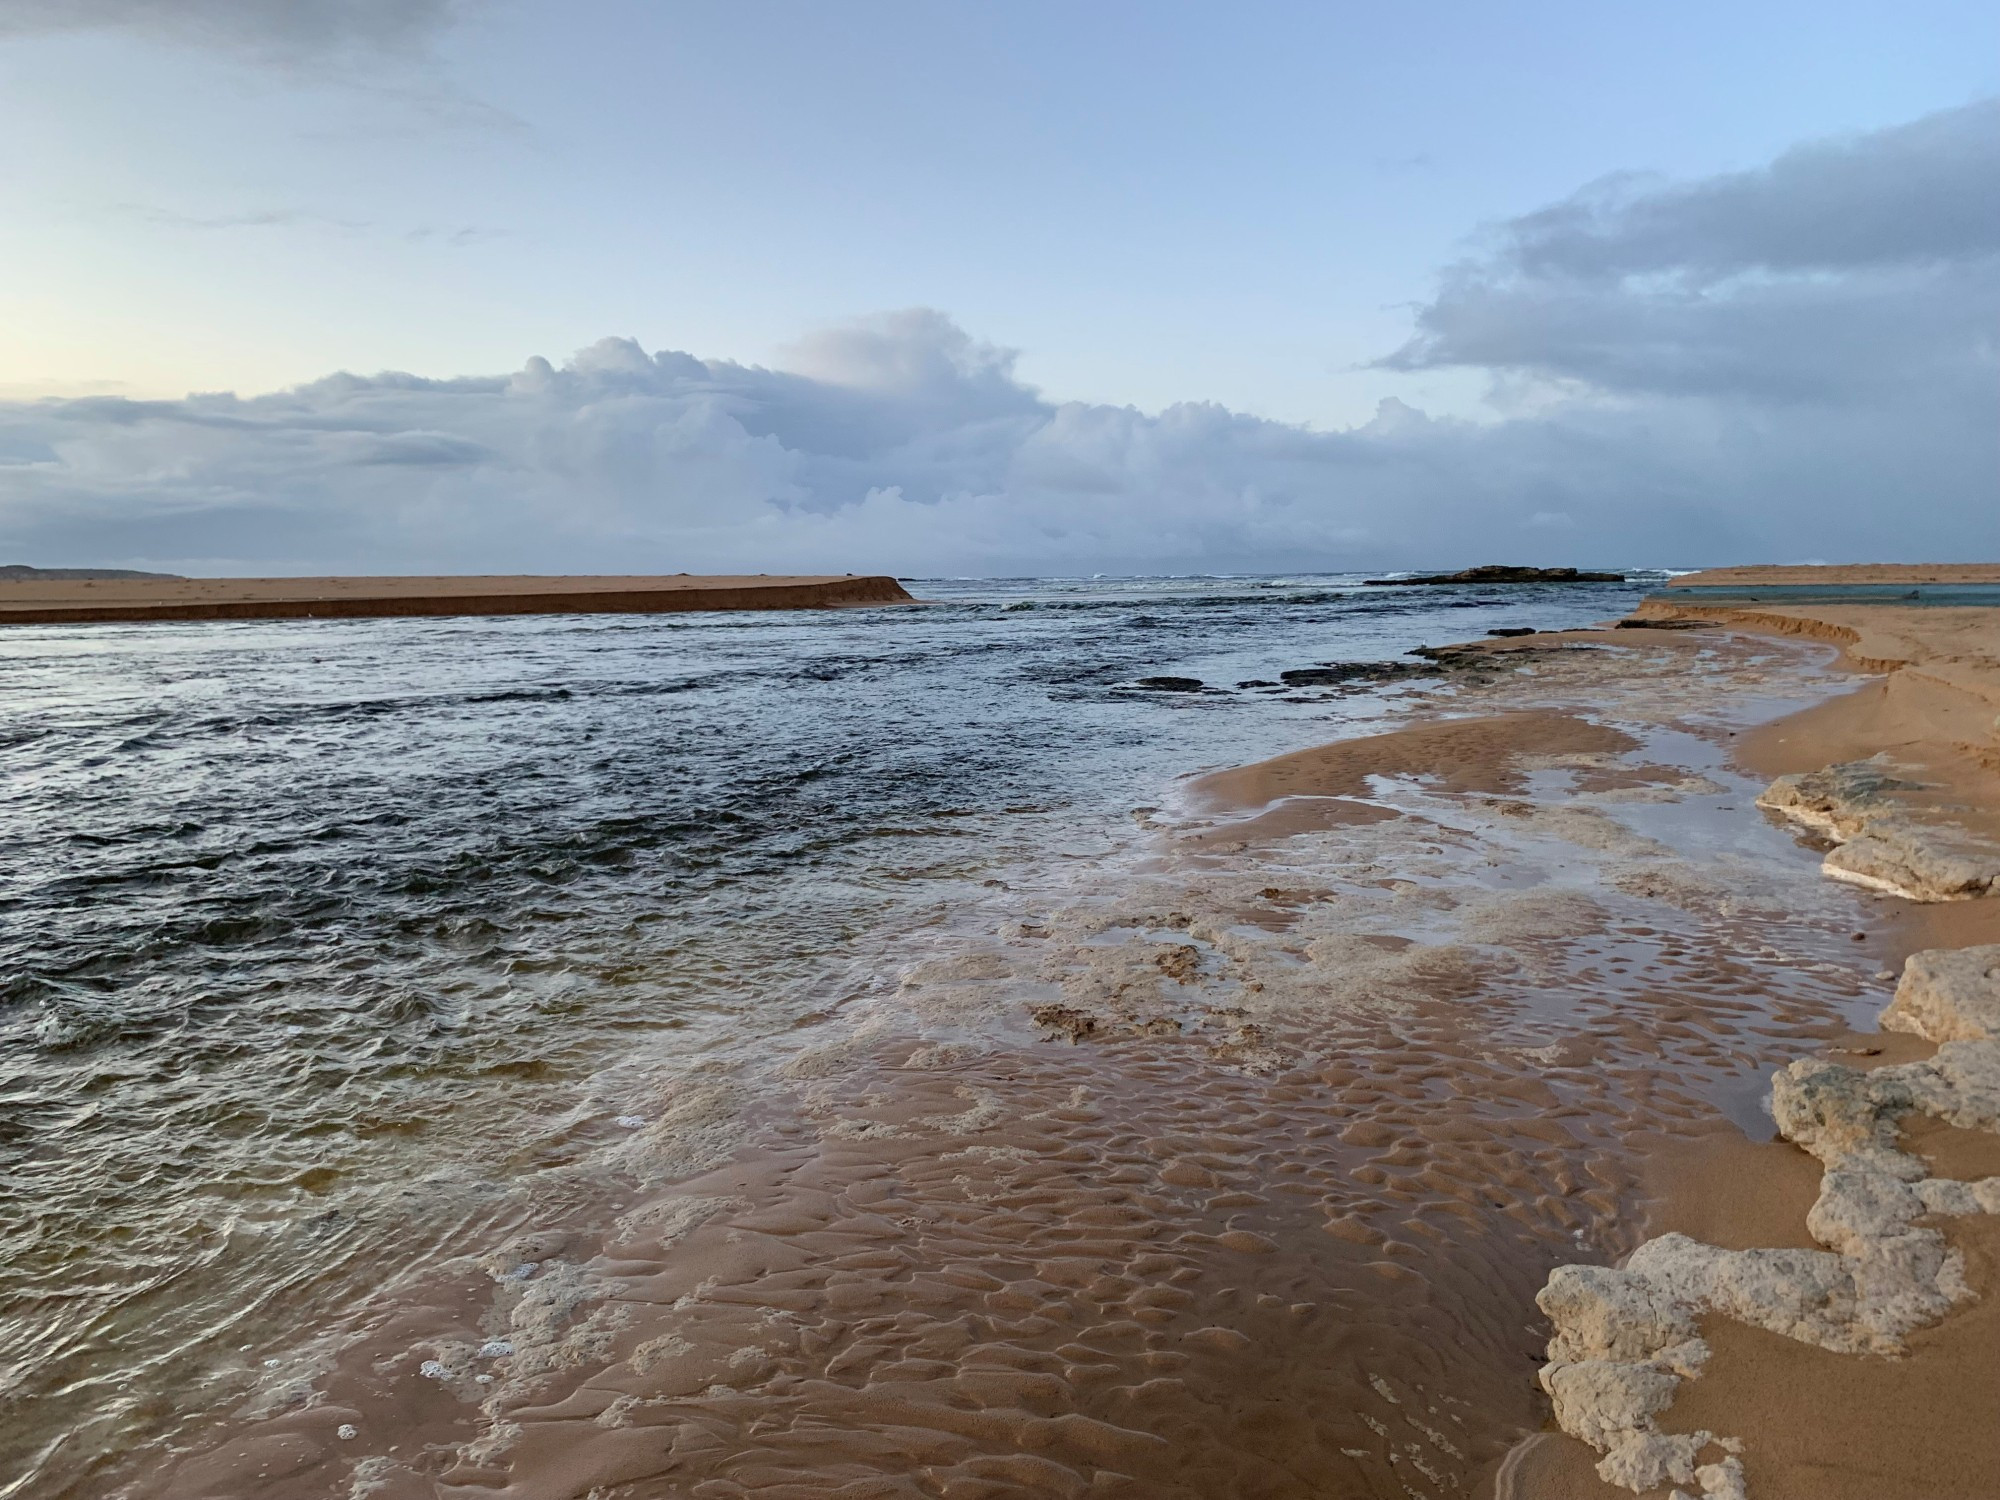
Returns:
<point x="1949" y="995"/>
<point x="1878" y="844"/>
<point x="1908" y="860"/>
<point x="1840" y="800"/>
<point x="1625" y="1338"/>
<point x="1503" y="573"/>
<point x="1355" y="673"/>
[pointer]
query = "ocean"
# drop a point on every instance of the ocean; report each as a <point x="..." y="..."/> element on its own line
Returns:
<point x="294" y="915"/>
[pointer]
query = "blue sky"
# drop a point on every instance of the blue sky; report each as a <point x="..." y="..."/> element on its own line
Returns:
<point x="1153" y="204"/>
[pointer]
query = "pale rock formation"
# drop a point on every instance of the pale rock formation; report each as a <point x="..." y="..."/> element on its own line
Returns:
<point x="1841" y="800"/>
<point x="1949" y="995"/>
<point x="1907" y="859"/>
<point x="1878" y="844"/>
<point x="1625" y="1338"/>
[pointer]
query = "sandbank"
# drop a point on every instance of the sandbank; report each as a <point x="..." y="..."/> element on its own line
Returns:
<point x="1804" y="574"/>
<point x="44" y="601"/>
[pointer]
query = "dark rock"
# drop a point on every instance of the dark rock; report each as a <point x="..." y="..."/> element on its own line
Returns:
<point x="1171" y="684"/>
<point x="1502" y="573"/>
<point x="1340" y="673"/>
<point x="1455" y="658"/>
<point x="1437" y="661"/>
<point x="1513" y="630"/>
<point x="1664" y="624"/>
<point x="1256" y="682"/>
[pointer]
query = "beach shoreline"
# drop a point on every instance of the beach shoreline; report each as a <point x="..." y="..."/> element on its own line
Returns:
<point x="1801" y="575"/>
<point x="1238" y="1164"/>
<point x="1229" y="1162"/>
<point x="1826" y="1423"/>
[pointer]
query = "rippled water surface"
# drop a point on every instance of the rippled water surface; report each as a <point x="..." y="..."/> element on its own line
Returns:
<point x="301" y="923"/>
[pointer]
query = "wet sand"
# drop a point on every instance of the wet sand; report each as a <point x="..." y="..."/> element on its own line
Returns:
<point x="1228" y="1166"/>
<point x="72" y="601"/>
<point x="1815" y="1424"/>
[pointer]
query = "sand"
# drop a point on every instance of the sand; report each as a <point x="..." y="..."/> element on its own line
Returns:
<point x="1758" y="575"/>
<point x="1339" y="1100"/>
<point x="1818" y="1425"/>
<point x="1227" y="1170"/>
<point x="70" y="601"/>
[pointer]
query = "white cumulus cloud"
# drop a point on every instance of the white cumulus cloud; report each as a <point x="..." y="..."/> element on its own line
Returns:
<point x="1798" y="360"/>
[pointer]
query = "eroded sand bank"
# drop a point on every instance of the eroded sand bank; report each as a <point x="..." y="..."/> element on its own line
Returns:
<point x="1224" y="1163"/>
<point x="73" y="601"/>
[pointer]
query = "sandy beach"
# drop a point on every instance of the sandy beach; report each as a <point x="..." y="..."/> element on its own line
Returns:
<point x="1862" y="1402"/>
<point x="77" y="601"/>
<point x="1800" y="574"/>
<point x="1233" y="1162"/>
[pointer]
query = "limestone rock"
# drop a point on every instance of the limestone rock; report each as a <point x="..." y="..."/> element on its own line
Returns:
<point x="1960" y="1085"/>
<point x="1647" y="1460"/>
<point x="1909" y="860"/>
<point x="1949" y="995"/>
<point x="1604" y="1401"/>
<point x="1837" y="1113"/>
<point x="1626" y="1337"/>
<point x="1839" y="799"/>
<point x="1879" y="845"/>
<point x="1605" y="1314"/>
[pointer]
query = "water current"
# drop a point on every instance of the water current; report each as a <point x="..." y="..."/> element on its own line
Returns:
<point x="300" y="920"/>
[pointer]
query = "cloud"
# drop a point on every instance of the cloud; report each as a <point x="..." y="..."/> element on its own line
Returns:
<point x="452" y="236"/>
<point x="263" y="218"/>
<point x="276" y="30"/>
<point x="1849" y="272"/>
<point x="1716" y="374"/>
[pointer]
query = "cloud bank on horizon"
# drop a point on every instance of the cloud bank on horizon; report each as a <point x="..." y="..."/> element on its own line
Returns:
<point x="1801" y="361"/>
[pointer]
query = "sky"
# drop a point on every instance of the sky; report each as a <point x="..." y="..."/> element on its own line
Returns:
<point x="937" y="287"/>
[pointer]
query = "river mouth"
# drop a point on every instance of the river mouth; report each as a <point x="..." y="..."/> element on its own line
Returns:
<point x="1224" y="1159"/>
